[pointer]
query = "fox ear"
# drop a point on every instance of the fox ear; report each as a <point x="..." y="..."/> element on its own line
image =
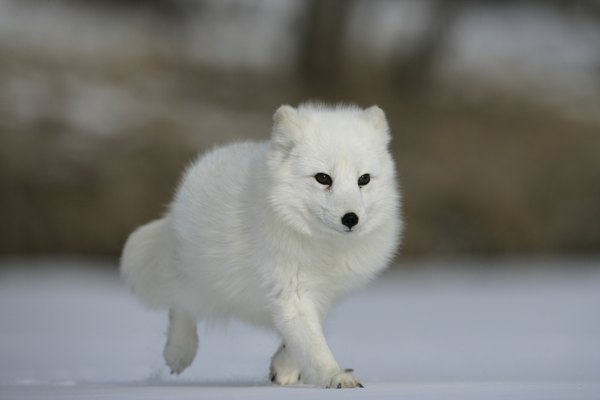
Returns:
<point x="376" y="117"/>
<point x="286" y="127"/>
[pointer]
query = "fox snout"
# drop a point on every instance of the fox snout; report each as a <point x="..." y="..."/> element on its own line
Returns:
<point x="350" y="219"/>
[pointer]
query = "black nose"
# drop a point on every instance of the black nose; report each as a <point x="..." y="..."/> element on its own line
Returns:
<point x="350" y="219"/>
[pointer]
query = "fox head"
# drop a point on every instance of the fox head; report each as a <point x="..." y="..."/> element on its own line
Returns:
<point x="330" y="169"/>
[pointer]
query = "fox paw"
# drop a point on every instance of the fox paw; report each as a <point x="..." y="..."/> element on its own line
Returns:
<point x="182" y="341"/>
<point x="284" y="370"/>
<point x="180" y="355"/>
<point x="284" y="379"/>
<point x="178" y="358"/>
<point x="344" y="379"/>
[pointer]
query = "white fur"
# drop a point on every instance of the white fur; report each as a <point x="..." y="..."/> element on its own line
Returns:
<point x="251" y="234"/>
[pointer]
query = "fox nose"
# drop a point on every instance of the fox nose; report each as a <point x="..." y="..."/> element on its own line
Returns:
<point x="350" y="219"/>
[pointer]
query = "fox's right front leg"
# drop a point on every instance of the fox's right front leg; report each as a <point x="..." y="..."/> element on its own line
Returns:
<point x="284" y="369"/>
<point x="298" y="321"/>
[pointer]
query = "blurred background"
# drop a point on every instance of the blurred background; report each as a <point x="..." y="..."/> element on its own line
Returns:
<point x="494" y="107"/>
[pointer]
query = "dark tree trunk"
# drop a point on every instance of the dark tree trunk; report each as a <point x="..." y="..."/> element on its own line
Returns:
<point x="321" y="40"/>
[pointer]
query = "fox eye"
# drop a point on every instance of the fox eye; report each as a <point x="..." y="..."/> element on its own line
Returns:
<point x="323" y="179"/>
<point x="364" y="179"/>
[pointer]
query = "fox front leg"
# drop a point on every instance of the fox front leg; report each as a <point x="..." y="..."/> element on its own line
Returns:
<point x="300" y="325"/>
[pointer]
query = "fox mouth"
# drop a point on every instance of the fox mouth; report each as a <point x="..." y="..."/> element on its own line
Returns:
<point x="338" y="230"/>
<point x="325" y="219"/>
<point x="348" y="231"/>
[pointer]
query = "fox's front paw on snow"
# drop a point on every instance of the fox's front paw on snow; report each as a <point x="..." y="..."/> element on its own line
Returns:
<point x="285" y="378"/>
<point x="284" y="369"/>
<point x="344" y="379"/>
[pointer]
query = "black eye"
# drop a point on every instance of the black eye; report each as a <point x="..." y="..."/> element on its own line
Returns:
<point x="364" y="179"/>
<point x="323" y="179"/>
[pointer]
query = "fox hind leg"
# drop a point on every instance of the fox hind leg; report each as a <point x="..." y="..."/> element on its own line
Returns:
<point x="182" y="341"/>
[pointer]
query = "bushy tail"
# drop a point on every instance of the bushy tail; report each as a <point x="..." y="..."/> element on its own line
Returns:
<point x="145" y="264"/>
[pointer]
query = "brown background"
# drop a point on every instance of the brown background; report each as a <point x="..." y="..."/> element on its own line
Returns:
<point x="102" y="104"/>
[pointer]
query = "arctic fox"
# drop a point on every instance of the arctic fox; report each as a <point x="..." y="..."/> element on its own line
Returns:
<point x="273" y="233"/>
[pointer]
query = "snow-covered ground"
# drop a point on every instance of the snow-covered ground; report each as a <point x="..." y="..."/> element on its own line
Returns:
<point x="443" y="330"/>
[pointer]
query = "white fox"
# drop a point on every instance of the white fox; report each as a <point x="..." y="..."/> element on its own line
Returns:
<point x="273" y="233"/>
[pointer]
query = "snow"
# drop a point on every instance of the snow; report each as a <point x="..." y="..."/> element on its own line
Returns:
<point x="468" y="330"/>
